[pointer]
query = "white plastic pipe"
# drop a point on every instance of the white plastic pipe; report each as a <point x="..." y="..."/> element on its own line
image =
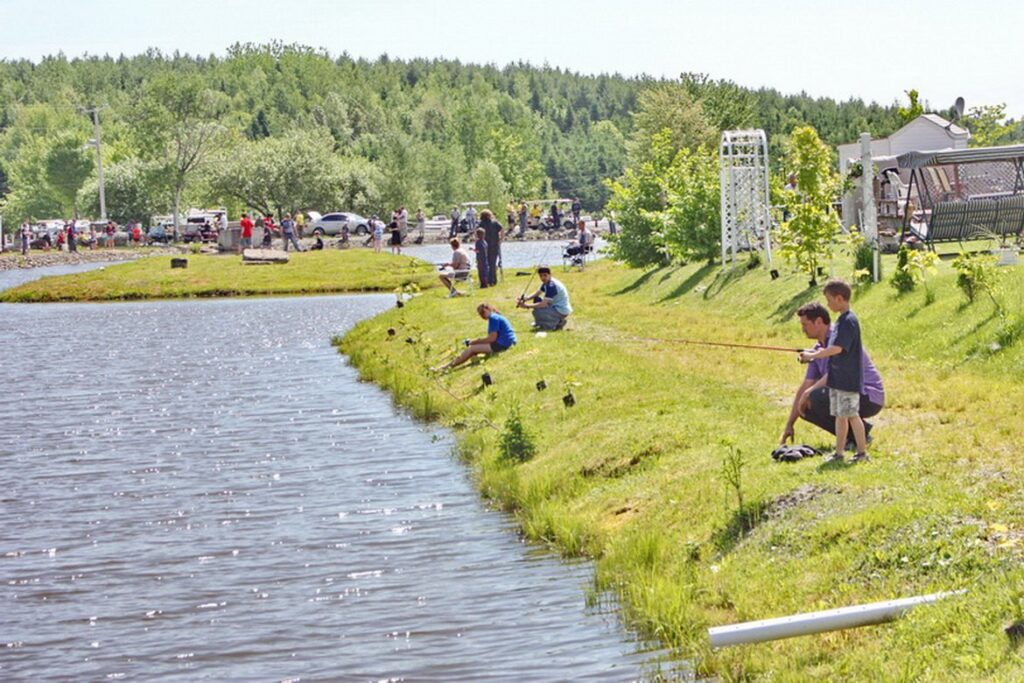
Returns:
<point x="818" y="622"/>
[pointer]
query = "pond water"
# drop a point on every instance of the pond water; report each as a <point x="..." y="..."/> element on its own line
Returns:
<point x="203" y="489"/>
<point x="514" y="254"/>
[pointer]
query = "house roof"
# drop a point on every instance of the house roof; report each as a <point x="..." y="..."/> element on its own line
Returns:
<point x="943" y="123"/>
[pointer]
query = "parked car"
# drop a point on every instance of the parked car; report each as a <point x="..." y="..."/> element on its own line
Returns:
<point x="160" y="233"/>
<point x="332" y="223"/>
<point x="198" y="229"/>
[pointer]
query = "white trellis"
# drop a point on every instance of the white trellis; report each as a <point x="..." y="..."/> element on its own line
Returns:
<point x="746" y="214"/>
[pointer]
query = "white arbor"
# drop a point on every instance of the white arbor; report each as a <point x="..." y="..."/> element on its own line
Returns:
<point x="746" y="216"/>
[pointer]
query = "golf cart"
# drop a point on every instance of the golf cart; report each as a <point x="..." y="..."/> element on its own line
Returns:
<point x="539" y="214"/>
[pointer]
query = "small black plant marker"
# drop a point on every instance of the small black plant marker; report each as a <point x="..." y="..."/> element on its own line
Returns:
<point x="812" y="282"/>
<point x="410" y="340"/>
<point x="487" y="379"/>
<point x="569" y="400"/>
<point x="400" y="303"/>
<point x="542" y="385"/>
<point x="774" y="273"/>
<point x="1015" y="632"/>
<point x="821" y="270"/>
<point x="391" y="332"/>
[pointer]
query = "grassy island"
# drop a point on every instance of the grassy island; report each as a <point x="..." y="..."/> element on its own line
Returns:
<point x="313" y="272"/>
<point x="661" y="470"/>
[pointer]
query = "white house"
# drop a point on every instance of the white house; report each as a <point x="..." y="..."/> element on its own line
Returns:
<point x="928" y="132"/>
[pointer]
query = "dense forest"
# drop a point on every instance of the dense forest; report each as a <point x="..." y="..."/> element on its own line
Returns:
<point x="283" y="127"/>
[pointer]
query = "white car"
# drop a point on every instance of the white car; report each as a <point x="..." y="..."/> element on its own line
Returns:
<point x="332" y="223"/>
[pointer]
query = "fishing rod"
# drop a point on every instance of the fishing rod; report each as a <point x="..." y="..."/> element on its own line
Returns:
<point x="699" y="342"/>
<point x="533" y="272"/>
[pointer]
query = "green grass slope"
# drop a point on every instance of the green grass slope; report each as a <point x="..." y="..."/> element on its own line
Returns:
<point x="312" y="272"/>
<point x="634" y="474"/>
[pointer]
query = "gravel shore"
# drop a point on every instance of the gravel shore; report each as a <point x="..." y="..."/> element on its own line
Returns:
<point x="10" y="259"/>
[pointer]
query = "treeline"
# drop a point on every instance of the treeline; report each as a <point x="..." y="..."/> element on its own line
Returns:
<point x="282" y="127"/>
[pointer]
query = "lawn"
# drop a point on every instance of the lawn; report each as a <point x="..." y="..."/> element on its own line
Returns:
<point x="313" y="272"/>
<point x="633" y="475"/>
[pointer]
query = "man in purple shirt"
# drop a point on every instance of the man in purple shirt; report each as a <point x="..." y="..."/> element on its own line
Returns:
<point x="811" y="399"/>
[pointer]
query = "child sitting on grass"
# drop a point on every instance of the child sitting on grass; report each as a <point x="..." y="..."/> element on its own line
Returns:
<point x="844" y="353"/>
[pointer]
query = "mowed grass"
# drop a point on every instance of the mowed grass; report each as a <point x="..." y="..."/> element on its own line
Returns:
<point x="632" y="475"/>
<point x="311" y="272"/>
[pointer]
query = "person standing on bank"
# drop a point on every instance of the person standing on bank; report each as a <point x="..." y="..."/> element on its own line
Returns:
<point x="523" y="212"/>
<point x="845" y="353"/>
<point x="246" y="240"/>
<point x="26" y="237"/>
<point x="421" y="223"/>
<point x="72" y="236"/>
<point x="500" y="337"/>
<point x="549" y="304"/>
<point x="377" y="226"/>
<point x="471" y="219"/>
<point x="396" y="237"/>
<point x="288" y="233"/>
<point x="455" y="222"/>
<point x="492" y="235"/>
<point x="480" y="247"/>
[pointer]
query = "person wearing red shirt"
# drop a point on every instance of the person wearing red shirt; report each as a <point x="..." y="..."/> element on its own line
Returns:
<point x="246" y="241"/>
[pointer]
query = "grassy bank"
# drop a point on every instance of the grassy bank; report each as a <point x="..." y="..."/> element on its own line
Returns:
<point x="634" y="474"/>
<point x="314" y="272"/>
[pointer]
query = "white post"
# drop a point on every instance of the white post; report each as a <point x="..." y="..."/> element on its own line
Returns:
<point x="99" y="162"/>
<point x="869" y="214"/>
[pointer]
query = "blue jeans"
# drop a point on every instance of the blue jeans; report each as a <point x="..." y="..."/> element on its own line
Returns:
<point x="290" y="237"/>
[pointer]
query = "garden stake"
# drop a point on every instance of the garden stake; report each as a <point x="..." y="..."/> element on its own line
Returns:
<point x="569" y="400"/>
<point x="542" y="385"/>
<point x="487" y="379"/>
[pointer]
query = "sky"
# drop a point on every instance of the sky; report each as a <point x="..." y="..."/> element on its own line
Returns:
<point x="865" y="49"/>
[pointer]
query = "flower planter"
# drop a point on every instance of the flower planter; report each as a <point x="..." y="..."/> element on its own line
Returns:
<point x="1006" y="256"/>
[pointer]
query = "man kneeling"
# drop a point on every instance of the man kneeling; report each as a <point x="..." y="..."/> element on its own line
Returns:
<point x="550" y="304"/>
<point x="811" y="401"/>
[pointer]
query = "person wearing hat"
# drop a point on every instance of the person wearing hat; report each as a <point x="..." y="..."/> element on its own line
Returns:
<point x="549" y="304"/>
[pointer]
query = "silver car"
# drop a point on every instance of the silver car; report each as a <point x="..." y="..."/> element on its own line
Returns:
<point x="332" y="223"/>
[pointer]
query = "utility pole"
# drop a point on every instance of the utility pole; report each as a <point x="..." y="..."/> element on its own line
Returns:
<point x="96" y="142"/>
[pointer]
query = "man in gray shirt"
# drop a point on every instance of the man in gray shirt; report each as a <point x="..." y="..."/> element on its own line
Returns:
<point x="549" y="304"/>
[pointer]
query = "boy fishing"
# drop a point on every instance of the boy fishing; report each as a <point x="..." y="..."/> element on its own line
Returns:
<point x="844" y="352"/>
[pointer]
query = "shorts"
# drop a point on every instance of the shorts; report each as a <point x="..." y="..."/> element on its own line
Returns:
<point x="245" y="242"/>
<point x="498" y="348"/>
<point x="843" y="403"/>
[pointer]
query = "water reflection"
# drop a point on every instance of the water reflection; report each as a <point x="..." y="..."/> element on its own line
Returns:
<point x="204" y="490"/>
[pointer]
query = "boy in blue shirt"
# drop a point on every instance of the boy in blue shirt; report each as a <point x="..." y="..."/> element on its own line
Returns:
<point x="845" y="373"/>
<point x="500" y="337"/>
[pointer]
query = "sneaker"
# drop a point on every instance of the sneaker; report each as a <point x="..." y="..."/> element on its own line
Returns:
<point x="835" y="457"/>
<point x="452" y="294"/>
<point x="860" y="457"/>
<point x="851" y="443"/>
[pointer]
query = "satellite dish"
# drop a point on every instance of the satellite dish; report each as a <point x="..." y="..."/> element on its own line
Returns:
<point x="958" y="108"/>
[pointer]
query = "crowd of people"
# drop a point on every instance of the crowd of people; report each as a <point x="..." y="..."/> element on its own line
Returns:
<point x="70" y="236"/>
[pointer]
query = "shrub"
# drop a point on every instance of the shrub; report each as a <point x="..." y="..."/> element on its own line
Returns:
<point x="516" y="443"/>
<point x="864" y="263"/>
<point x="809" y="237"/>
<point x="977" y="275"/>
<point x="912" y="268"/>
